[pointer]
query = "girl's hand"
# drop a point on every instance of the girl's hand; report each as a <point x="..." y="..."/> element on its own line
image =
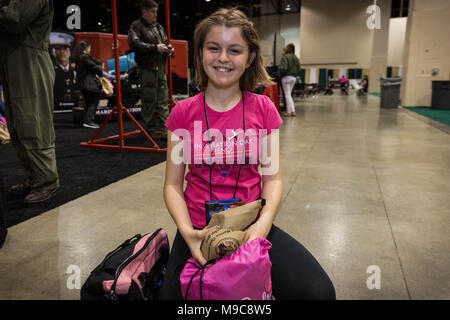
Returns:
<point x="256" y="230"/>
<point x="194" y="240"/>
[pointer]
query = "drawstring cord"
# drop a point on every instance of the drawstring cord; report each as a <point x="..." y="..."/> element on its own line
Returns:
<point x="202" y="270"/>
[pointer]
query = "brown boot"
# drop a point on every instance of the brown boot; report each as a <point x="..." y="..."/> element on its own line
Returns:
<point x="38" y="196"/>
<point x="20" y="189"/>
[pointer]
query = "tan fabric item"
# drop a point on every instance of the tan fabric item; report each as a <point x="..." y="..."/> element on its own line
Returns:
<point x="4" y="133"/>
<point x="233" y="223"/>
<point x="237" y="218"/>
<point x="221" y="242"/>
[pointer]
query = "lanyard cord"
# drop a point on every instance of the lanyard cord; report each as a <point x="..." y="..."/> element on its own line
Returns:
<point x="210" y="141"/>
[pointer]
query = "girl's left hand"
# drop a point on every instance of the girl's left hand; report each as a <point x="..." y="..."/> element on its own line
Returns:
<point x="256" y="230"/>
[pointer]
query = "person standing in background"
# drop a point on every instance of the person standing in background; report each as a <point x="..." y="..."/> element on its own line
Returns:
<point x="289" y="70"/>
<point x="27" y="75"/>
<point x="148" y="39"/>
<point x="366" y="83"/>
<point x="89" y="71"/>
<point x="344" y="85"/>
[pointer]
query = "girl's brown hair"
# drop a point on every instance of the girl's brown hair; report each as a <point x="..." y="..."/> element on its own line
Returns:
<point x="256" y="73"/>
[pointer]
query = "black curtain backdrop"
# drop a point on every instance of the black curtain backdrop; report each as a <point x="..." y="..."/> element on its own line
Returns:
<point x="81" y="170"/>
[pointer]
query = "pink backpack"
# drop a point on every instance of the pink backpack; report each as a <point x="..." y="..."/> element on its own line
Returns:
<point x="242" y="275"/>
<point x="133" y="271"/>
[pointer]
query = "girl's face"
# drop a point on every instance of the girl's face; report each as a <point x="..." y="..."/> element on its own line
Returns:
<point x="225" y="56"/>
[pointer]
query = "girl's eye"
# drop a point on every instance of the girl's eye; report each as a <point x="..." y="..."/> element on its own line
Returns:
<point x="235" y="51"/>
<point x="213" y="49"/>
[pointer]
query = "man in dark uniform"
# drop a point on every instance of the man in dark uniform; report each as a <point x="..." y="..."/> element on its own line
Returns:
<point x="27" y="75"/>
<point x="64" y="90"/>
<point x="149" y="41"/>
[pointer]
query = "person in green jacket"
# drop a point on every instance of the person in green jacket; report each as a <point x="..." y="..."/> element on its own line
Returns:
<point x="148" y="39"/>
<point x="289" y="70"/>
<point x="27" y="75"/>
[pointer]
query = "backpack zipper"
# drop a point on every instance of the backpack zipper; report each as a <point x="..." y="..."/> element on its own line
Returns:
<point x="112" y="295"/>
<point x="126" y="243"/>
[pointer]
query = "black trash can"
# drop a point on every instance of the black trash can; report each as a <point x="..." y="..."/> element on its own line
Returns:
<point x="390" y="92"/>
<point x="440" y="97"/>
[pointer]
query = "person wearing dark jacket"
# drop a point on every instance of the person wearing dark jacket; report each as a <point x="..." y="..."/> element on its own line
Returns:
<point x="89" y="71"/>
<point x="148" y="39"/>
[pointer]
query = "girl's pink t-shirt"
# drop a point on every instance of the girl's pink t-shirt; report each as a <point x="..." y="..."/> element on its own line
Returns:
<point x="224" y="153"/>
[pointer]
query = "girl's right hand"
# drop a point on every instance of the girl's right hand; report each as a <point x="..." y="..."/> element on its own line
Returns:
<point x="194" y="240"/>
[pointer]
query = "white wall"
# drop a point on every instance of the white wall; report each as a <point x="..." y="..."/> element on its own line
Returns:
<point x="396" y="42"/>
<point x="336" y="32"/>
<point x="431" y="5"/>
<point x="427" y="46"/>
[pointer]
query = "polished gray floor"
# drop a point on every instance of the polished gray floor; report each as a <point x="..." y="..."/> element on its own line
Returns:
<point x="366" y="190"/>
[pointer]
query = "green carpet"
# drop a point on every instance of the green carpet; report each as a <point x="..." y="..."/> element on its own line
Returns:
<point x="377" y="94"/>
<point x="442" y="116"/>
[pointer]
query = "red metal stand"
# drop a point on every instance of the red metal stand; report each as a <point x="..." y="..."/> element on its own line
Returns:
<point x="120" y="109"/>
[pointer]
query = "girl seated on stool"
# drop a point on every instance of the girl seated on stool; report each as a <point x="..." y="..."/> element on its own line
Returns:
<point x="228" y="65"/>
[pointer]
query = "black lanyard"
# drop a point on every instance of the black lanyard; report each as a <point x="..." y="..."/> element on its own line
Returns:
<point x="210" y="141"/>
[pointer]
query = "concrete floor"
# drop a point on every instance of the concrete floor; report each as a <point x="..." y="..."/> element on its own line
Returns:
<point x="364" y="187"/>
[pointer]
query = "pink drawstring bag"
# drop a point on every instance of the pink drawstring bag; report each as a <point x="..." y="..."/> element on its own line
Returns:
<point x="242" y="275"/>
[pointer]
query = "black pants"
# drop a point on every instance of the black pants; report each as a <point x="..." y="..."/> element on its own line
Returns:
<point x="296" y="274"/>
<point x="91" y="100"/>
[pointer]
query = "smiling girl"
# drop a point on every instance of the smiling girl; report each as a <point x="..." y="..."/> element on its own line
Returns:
<point x="228" y="64"/>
